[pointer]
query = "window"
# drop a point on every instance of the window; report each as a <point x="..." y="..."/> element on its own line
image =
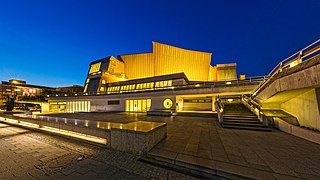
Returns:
<point x="113" y="89"/>
<point x="95" y="68"/>
<point x="114" y="102"/>
<point x="164" y="83"/>
<point x="85" y="88"/>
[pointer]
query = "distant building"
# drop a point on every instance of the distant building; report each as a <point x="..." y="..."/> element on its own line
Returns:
<point x="21" y="91"/>
<point x="70" y="89"/>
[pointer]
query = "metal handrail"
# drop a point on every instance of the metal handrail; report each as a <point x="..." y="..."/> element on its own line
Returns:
<point x="255" y="108"/>
<point x="219" y="108"/>
<point x="284" y="64"/>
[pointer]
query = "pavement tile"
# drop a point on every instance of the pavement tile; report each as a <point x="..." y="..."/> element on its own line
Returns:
<point x="254" y="154"/>
<point x="243" y="171"/>
<point x="163" y="153"/>
<point x="285" y="177"/>
<point x="74" y="175"/>
<point x="196" y="161"/>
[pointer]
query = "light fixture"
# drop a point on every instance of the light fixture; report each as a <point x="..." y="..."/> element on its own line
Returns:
<point x="228" y="82"/>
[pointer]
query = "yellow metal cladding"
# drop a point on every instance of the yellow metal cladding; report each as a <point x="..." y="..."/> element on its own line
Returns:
<point x="95" y="68"/>
<point x="116" y="67"/>
<point x="169" y="60"/>
<point x="138" y="65"/>
<point x="212" y="73"/>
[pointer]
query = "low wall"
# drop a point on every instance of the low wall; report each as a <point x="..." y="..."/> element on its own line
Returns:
<point x="297" y="131"/>
<point x="136" y="137"/>
<point x="137" y="141"/>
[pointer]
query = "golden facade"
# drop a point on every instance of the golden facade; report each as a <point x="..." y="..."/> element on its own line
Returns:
<point x="138" y="65"/>
<point x="163" y="60"/>
<point x="167" y="59"/>
<point x="171" y="60"/>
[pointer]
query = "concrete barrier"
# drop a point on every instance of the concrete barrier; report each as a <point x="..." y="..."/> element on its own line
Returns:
<point x="297" y="131"/>
<point x="135" y="137"/>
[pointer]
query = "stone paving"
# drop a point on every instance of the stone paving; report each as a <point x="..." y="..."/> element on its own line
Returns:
<point x="202" y="142"/>
<point x="254" y="154"/>
<point x="25" y="154"/>
<point x="262" y="155"/>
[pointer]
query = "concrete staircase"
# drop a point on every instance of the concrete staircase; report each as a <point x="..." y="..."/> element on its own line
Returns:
<point x="237" y="116"/>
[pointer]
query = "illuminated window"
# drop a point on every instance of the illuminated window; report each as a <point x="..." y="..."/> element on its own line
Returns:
<point x="102" y="89"/>
<point x="103" y="82"/>
<point x="85" y="88"/>
<point x="95" y="68"/>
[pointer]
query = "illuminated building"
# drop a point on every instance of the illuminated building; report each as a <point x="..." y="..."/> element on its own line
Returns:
<point x="163" y="60"/>
<point x="169" y="78"/>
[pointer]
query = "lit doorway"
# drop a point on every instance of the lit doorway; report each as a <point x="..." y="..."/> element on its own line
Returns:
<point x="138" y="105"/>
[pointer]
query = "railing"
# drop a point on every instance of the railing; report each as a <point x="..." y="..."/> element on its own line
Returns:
<point x="254" y="107"/>
<point x="219" y="108"/>
<point x="293" y="60"/>
<point x="247" y="81"/>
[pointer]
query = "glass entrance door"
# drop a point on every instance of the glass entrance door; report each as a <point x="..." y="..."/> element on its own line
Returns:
<point x="138" y="105"/>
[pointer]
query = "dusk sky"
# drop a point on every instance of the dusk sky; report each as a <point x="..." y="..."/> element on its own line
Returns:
<point x="51" y="43"/>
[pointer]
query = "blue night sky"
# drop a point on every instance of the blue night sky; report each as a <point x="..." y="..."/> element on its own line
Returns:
<point x="52" y="42"/>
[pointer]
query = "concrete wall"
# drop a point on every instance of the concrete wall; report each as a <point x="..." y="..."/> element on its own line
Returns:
<point x="102" y="105"/>
<point x="226" y="72"/>
<point x="306" y="108"/>
<point x="304" y="75"/>
<point x="157" y="102"/>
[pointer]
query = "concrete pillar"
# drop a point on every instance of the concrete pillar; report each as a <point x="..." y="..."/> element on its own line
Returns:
<point x="213" y="103"/>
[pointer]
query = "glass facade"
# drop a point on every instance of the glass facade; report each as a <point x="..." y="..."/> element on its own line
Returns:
<point x="95" y="68"/>
<point x="70" y="107"/>
<point x="140" y="105"/>
<point x="140" y="87"/>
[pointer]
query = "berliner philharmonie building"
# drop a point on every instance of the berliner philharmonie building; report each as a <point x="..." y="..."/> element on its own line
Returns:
<point x="168" y="78"/>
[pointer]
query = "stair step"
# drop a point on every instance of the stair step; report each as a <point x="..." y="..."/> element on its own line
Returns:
<point x="247" y="128"/>
<point x="244" y="124"/>
<point x="235" y="113"/>
<point x="241" y="121"/>
<point x="241" y="118"/>
<point x="232" y="114"/>
<point x="237" y="116"/>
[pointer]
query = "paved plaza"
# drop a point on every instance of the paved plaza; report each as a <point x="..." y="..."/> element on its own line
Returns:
<point x="25" y="154"/>
<point x="191" y="142"/>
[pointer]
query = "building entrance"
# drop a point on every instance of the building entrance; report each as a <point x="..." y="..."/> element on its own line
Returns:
<point x="138" y="105"/>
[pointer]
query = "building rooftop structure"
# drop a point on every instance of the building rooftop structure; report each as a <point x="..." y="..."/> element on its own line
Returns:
<point x="163" y="60"/>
